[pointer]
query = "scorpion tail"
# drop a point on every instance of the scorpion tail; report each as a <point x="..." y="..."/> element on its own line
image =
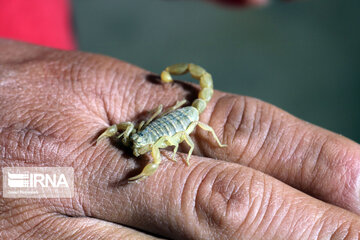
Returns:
<point x="197" y="72"/>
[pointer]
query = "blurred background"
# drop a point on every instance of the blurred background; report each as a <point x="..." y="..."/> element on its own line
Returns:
<point x="303" y="56"/>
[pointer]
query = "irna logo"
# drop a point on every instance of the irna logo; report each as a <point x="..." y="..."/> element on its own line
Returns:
<point x="38" y="182"/>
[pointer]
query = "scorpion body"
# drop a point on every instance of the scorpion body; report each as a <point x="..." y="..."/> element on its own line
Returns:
<point x="169" y="128"/>
<point x="168" y="125"/>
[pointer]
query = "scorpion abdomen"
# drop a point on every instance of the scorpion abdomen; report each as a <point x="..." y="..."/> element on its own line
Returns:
<point x="171" y="123"/>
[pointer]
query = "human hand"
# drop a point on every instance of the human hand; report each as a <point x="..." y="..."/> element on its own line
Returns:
<point x="265" y="185"/>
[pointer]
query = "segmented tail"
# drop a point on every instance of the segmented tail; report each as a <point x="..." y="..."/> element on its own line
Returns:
<point x="197" y="72"/>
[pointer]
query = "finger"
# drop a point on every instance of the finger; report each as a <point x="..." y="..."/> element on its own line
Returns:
<point x="32" y="222"/>
<point x="261" y="136"/>
<point x="208" y="200"/>
<point x="61" y="227"/>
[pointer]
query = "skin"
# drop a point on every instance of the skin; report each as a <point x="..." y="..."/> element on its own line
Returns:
<point x="279" y="177"/>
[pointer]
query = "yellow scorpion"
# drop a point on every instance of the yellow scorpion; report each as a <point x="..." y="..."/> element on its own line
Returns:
<point x="169" y="128"/>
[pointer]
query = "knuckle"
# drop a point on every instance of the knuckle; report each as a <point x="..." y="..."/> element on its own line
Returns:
<point x="245" y="122"/>
<point x="229" y="200"/>
<point x="345" y="230"/>
<point x="337" y="164"/>
<point x="37" y="142"/>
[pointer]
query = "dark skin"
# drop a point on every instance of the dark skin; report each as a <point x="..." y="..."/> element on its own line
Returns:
<point x="279" y="177"/>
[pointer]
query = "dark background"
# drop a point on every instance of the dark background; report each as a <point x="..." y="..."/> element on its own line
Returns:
<point x="301" y="56"/>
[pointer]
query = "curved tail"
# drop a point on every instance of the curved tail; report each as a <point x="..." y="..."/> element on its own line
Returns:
<point x="197" y="72"/>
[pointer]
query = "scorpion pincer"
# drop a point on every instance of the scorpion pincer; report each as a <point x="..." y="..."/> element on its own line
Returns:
<point x="169" y="128"/>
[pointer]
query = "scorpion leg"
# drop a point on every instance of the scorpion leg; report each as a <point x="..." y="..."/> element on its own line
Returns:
<point x="175" y="151"/>
<point x="156" y="113"/>
<point x="211" y="130"/>
<point x="191" y="144"/>
<point x="127" y="127"/>
<point x="176" y="106"/>
<point x="184" y="136"/>
<point x="174" y="141"/>
<point x="140" y="126"/>
<point x="188" y="140"/>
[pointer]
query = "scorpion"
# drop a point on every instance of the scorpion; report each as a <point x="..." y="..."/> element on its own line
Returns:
<point x="169" y="128"/>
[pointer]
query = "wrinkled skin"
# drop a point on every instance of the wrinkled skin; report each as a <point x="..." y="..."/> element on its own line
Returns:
<point x="279" y="177"/>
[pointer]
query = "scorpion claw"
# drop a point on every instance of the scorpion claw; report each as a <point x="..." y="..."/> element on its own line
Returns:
<point x="109" y="132"/>
<point x="148" y="170"/>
